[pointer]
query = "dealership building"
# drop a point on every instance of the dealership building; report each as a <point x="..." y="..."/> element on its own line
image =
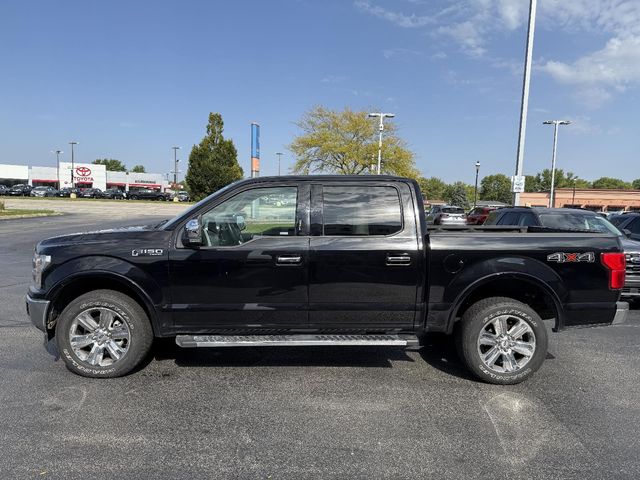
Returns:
<point x="82" y="175"/>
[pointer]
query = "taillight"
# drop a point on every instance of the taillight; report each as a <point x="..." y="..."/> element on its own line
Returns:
<point x="616" y="263"/>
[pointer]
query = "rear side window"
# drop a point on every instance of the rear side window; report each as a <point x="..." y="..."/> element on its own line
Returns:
<point x="510" y="218"/>
<point x="528" y="219"/>
<point x="452" y="210"/>
<point x="491" y="219"/>
<point x="361" y="211"/>
<point x="635" y="226"/>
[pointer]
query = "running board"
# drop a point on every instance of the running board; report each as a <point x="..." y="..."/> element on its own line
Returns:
<point x="192" y="341"/>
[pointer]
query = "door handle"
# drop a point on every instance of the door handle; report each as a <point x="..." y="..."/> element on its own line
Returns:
<point x="399" y="259"/>
<point x="288" y="259"/>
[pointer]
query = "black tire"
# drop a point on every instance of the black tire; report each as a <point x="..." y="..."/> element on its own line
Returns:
<point x="133" y="197"/>
<point x="481" y="318"/>
<point x="127" y="310"/>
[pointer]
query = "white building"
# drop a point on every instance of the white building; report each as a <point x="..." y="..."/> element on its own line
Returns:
<point x="83" y="175"/>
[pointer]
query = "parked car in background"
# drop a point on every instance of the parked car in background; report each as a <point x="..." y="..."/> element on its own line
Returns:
<point x="3" y="189"/>
<point x="446" y="215"/>
<point x="568" y="219"/>
<point x="43" y="192"/>
<point x="183" y="196"/>
<point x="148" y="194"/>
<point x="91" y="193"/>
<point x="66" y="192"/>
<point x="629" y="222"/>
<point x="478" y="215"/>
<point x="20" y="190"/>
<point x="113" y="193"/>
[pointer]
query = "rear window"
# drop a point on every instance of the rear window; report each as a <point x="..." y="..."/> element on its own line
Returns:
<point x="361" y="211"/>
<point x="452" y="210"/>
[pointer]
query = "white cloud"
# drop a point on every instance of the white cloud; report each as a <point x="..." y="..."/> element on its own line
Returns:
<point x="472" y="25"/>
<point x="397" y="18"/>
<point x="615" y="67"/>
<point x="334" y="79"/>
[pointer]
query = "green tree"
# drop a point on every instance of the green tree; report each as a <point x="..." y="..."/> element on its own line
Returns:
<point x="530" y="183"/>
<point x="496" y="187"/>
<point x="542" y="180"/>
<point x="611" y="183"/>
<point x="432" y="188"/>
<point x="112" y="164"/>
<point x="139" y="169"/>
<point x="346" y="142"/>
<point x="213" y="163"/>
<point x="636" y="184"/>
<point x="457" y="194"/>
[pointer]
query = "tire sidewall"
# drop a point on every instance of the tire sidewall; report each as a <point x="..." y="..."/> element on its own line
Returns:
<point x="138" y="340"/>
<point x="476" y="325"/>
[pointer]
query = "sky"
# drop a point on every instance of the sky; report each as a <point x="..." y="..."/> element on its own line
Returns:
<point x="129" y="80"/>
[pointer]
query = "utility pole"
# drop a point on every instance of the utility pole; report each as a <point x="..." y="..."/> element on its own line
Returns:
<point x="279" y="154"/>
<point x="382" y="116"/>
<point x="475" y="192"/>
<point x="58" y="152"/>
<point x="72" y="143"/>
<point x="555" y="124"/>
<point x="524" y="105"/>
<point x="175" y="166"/>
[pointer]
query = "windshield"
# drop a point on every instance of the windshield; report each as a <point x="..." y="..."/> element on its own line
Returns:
<point x="171" y="223"/>
<point x="572" y="221"/>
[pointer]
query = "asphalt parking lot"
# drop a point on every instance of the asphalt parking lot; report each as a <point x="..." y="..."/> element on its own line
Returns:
<point x="307" y="413"/>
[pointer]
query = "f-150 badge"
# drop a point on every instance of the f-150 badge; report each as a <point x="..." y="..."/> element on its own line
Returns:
<point x="562" y="257"/>
<point x="143" y="252"/>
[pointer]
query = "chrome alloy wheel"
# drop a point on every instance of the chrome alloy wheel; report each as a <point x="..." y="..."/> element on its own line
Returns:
<point x="99" y="336"/>
<point x="506" y="344"/>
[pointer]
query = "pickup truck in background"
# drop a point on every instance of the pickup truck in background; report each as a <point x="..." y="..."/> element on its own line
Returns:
<point x="314" y="261"/>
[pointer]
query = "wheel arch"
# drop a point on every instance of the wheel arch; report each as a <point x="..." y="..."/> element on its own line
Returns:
<point x="76" y="285"/>
<point x="517" y="285"/>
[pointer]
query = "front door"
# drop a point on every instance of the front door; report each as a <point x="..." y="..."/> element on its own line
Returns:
<point x="251" y="272"/>
<point x="364" y="259"/>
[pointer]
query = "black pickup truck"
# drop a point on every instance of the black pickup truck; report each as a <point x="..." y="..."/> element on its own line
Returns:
<point x="320" y="260"/>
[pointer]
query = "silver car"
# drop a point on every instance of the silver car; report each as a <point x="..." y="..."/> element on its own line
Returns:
<point x="446" y="215"/>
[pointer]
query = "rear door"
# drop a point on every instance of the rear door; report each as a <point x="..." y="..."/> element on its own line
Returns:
<point x="363" y="256"/>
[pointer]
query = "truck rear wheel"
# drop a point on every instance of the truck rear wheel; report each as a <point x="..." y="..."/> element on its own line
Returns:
<point x="502" y="340"/>
<point x="103" y="333"/>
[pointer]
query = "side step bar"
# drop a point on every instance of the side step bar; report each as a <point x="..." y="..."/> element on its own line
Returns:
<point x="192" y="341"/>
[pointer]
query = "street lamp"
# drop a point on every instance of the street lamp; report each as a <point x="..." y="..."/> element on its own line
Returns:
<point x="382" y="116"/>
<point x="175" y="166"/>
<point x="58" y="152"/>
<point x="555" y="124"/>
<point x="279" y="154"/>
<point x="475" y="192"/>
<point x="72" y="143"/>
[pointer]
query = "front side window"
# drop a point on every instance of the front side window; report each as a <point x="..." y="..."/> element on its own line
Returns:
<point x="259" y="212"/>
<point x="361" y="211"/>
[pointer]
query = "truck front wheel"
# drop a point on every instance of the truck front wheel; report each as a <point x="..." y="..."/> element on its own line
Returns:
<point x="103" y="333"/>
<point x="502" y="340"/>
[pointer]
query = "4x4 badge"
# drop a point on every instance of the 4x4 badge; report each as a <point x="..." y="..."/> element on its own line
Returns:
<point x="562" y="257"/>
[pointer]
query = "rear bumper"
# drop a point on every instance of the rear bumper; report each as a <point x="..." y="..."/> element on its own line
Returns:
<point x="37" y="311"/>
<point x="622" y="311"/>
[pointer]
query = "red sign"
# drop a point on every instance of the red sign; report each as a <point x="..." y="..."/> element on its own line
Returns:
<point x="83" y="171"/>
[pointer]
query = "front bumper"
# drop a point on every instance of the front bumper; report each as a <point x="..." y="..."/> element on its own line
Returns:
<point x="622" y="310"/>
<point x="37" y="310"/>
<point x="631" y="287"/>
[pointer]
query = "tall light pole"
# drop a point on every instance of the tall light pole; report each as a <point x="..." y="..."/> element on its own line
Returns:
<point x="58" y="152"/>
<point x="555" y="124"/>
<point x="175" y="165"/>
<point x="72" y="143"/>
<point x="524" y="106"/>
<point x="279" y="154"/>
<point x="475" y="191"/>
<point x="382" y="116"/>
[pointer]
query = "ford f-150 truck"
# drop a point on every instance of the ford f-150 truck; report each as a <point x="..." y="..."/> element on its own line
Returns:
<point x="320" y="260"/>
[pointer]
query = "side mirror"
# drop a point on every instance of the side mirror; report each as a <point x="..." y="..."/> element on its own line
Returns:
<point x="193" y="233"/>
<point x="627" y="232"/>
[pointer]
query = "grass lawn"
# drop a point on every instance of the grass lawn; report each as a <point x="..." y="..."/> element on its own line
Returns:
<point x="15" y="213"/>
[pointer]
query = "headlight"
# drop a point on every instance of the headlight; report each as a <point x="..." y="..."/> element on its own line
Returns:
<point x="40" y="262"/>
